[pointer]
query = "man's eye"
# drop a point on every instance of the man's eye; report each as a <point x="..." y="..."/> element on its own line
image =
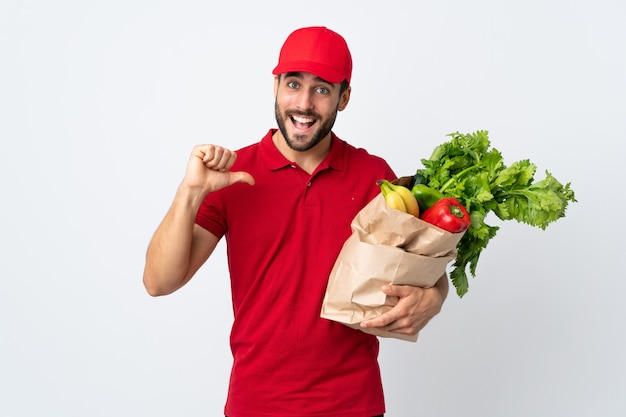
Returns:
<point x="323" y="90"/>
<point x="292" y="84"/>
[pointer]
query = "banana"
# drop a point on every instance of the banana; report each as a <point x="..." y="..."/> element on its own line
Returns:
<point x="394" y="200"/>
<point x="399" y="198"/>
<point x="410" y="202"/>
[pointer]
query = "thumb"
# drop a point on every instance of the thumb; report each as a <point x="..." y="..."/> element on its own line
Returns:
<point x="241" y="176"/>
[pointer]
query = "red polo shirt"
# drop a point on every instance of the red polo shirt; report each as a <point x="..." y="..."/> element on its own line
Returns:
<point x="283" y="235"/>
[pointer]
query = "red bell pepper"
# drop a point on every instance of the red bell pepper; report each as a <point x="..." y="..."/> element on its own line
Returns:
<point x="448" y="214"/>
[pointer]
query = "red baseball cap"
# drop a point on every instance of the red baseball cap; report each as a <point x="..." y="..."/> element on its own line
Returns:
<point x="317" y="50"/>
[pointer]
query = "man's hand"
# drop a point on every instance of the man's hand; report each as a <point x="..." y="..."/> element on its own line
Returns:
<point x="208" y="169"/>
<point x="179" y="247"/>
<point x="415" y="307"/>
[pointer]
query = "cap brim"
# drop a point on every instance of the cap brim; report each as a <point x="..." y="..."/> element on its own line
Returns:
<point x="322" y="71"/>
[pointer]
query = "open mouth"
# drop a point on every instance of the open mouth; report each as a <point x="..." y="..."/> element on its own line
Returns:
<point x="302" y="122"/>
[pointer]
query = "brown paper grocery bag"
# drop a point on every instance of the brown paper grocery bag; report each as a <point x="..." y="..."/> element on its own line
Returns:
<point x="386" y="246"/>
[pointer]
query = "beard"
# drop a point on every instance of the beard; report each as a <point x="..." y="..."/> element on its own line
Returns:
<point x="298" y="142"/>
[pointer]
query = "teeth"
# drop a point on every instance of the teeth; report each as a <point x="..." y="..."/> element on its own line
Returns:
<point x="302" y="119"/>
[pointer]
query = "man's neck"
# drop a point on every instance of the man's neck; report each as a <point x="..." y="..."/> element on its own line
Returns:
<point x="307" y="160"/>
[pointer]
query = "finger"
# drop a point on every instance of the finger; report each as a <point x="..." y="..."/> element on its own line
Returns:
<point x="390" y="316"/>
<point x="223" y="160"/>
<point x="399" y="291"/>
<point x="241" y="176"/>
<point x="215" y="157"/>
<point x="381" y="321"/>
<point x="402" y="326"/>
<point x="200" y="151"/>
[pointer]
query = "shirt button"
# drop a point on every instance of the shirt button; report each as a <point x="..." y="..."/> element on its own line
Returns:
<point x="309" y="184"/>
<point x="293" y="166"/>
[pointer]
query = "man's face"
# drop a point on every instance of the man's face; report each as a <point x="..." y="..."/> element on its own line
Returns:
<point x="306" y="108"/>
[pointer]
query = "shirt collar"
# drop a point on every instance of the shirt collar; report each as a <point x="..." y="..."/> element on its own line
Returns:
<point x="275" y="160"/>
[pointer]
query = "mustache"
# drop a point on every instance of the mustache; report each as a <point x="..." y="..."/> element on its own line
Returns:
<point x="303" y="114"/>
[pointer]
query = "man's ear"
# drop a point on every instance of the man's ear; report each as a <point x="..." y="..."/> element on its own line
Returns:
<point x="276" y="81"/>
<point x="344" y="99"/>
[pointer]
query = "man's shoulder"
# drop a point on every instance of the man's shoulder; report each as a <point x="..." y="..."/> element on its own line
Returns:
<point x="248" y="149"/>
<point x="364" y="153"/>
<point x="355" y="153"/>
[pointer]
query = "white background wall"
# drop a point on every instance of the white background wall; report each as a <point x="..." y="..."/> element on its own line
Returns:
<point x="101" y="102"/>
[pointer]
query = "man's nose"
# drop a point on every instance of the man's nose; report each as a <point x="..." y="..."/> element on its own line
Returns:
<point x="305" y="100"/>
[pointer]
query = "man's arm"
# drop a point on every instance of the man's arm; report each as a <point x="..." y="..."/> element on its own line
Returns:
<point x="179" y="247"/>
<point x="415" y="307"/>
